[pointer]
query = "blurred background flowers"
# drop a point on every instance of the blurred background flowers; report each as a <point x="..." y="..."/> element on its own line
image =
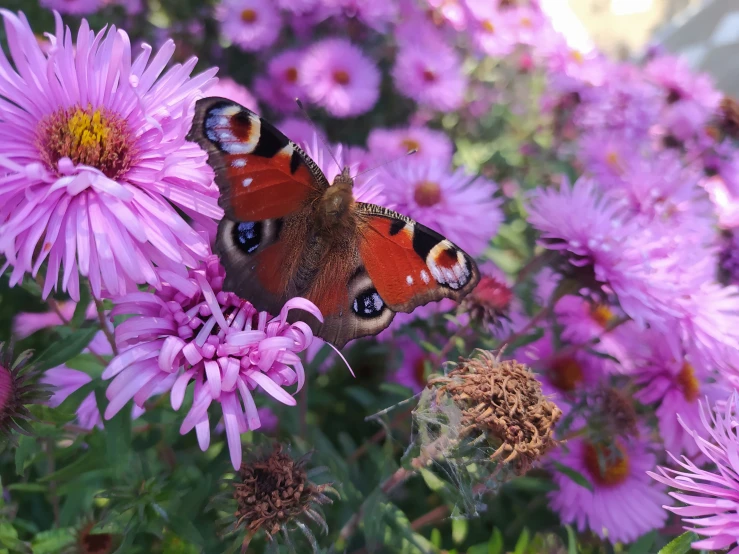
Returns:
<point x="581" y="398"/>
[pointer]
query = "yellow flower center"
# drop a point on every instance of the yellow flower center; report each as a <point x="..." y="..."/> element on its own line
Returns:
<point x="410" y="144"/>
<point x="601" y="314"/>
<point x="341" y="77"/>
<point x="488" y="26"/>
<point x="577" y="56"/>
<point x="565" y="374"/>
<point x="291" y="75"/>
<point x="688" y="382"/>
<point x="95" y="137"/>
<point x="526" y="22"/>
<point x="606" y="466"/>
<point x="614" y="161"/>
<point x="248" y="16"/>
<point x="427" y="193"/>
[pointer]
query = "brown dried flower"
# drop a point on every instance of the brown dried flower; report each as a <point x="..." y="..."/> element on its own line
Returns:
<point x="274" y="491"/>
<point x="503" y="402"/>
<point x="729" y="117"/>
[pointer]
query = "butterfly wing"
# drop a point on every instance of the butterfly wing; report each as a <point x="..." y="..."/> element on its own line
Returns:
<point x="260" y="173"/>
<point x="408" y="263"/>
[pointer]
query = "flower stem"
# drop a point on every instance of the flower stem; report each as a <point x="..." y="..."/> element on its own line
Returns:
<point x="104" y="324"/>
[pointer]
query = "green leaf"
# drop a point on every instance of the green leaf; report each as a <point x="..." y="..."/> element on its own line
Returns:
<point x="571" y="540"/>
<point x="88" y="461"/>
<point x="89" y="363"/>
<point x="27" y="448"/>
<point x="53" y="541"/>
<point x="60" y="352"/>
<point x="81" y="310"/>
<point x="117" y="432"/>
<point x="681" y="544"/>
<point x="460" y="527"/>
<point x="495" y="544"/>
<point x="186" y="530"/>
<point x="435" y="537"/>
<point x="431" y="480"/>
<point x="26" y="487"/>
<point x="643" y="545"/>
<point x="576" y="476"/>
<point x="523" y="542"/>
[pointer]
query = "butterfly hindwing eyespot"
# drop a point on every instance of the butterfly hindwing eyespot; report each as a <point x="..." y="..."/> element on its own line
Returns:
<point x="368" y="304"/>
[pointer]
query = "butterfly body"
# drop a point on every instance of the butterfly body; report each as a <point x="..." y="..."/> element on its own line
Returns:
<point x="287" y="232"/>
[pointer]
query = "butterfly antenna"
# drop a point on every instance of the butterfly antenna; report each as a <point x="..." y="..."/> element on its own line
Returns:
<point x="318" y="134"/>
<point x="383" y="164"/>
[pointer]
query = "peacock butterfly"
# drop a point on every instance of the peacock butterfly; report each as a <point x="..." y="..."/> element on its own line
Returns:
<point x="287" y="232"/>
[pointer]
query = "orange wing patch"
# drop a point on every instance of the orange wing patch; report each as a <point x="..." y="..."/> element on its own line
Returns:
<point x="408" y="263"/>
<point x="397" y="271"/>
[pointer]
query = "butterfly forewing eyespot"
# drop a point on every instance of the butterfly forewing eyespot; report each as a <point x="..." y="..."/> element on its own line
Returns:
<point x="449" y="265"/>
<point x="248" y="236"/>
<point x="368" y="304"/>
<point x="231" y="129"/>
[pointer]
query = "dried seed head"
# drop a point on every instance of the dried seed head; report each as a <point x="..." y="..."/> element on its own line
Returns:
<point x="503" y="402"/>
<point x="94" y="543"/>
<point x="273" y="493"/>
<point x="17" y="392"/>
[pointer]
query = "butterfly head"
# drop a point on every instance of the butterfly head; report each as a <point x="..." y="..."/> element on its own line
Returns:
<point x="344" y="179"/>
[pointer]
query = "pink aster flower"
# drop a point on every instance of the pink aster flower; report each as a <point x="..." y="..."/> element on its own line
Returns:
<point x="491" y="28"/>
<point x="562" y="375"/>
<point x="390" y="144"/>
<point x="430" y="72"/>
<point x="281" y="85"/>
<point x="669" y="380"/>
<point x="339" y="77"/>
<point x="411" y="371"/>
<point x="231" y="90"/>
<point x="624" y="504"/>
<point x="27" y="323"/>
<point x="95" y="162"/>
<point x="583" y="322"/>
<point x="366" y="187"/>
<point x="65" y="381"/>
<point x="457" y="205"/>
<point x="192" y="330"/>
<point x="252" y="25"/>
<point x="299" y="6"/>
<point x="74" y="7"/>
<point x="710" y="497"/>
<point x="376" y="14"/>
<point x="300" y="131"/>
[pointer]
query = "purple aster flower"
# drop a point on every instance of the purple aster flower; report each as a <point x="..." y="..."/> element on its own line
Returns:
<point x="27" y="323"/>
<point x="65" y="381"/>
<point x="366" y="187"/>
<point x="252" y="25"/>
<point x="74" y="7"/>
<point x="584" y="321"/>
<point x="281" y="85"/>
<point x="669" y="380"/>
<point x="624" y="504"/>
<point x="430" y="72"/>
<point x="562" y="375"/>
<point x="452" y="12"/>
<point x="299" y="7"/>
<point x="376" y="14"/>
<point x="301" y="132"/>
<point x="192" y="330"/>
<point x="492" y="28"/>
<point x="457" y="205"/>
<point x="430" y="145"/>
<point x="231" y="90"/>
<point x="710" y="497"/>
<point x="679" y="82"/>
<point x="339" y="77"/>
<point x="95" y="161"/>
<point x="411" y="372"/>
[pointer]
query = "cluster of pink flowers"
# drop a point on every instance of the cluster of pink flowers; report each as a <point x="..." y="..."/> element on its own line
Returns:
<point x="639" y="289"/>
